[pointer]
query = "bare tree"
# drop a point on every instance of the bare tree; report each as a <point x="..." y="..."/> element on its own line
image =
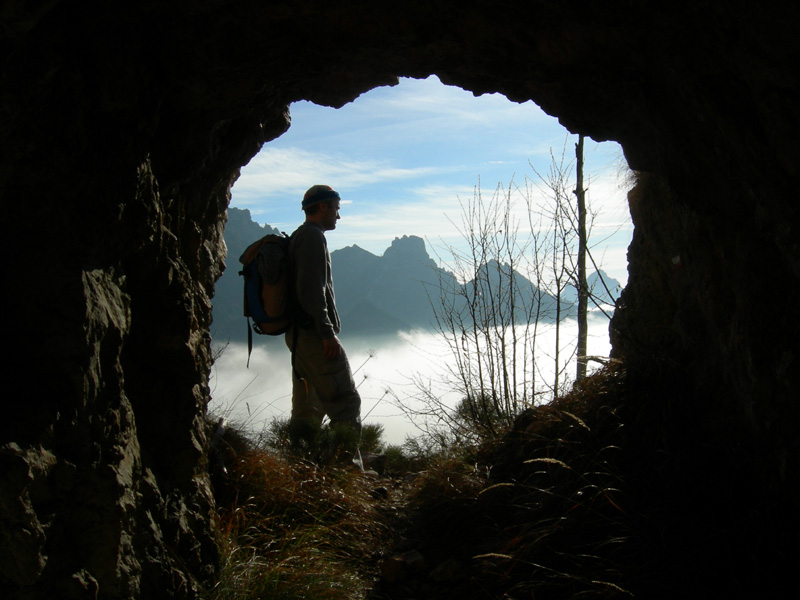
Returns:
<point x="552" y="221"/>
<point x="571" y="231"/>
<point x="504" y="285"/>
<point x="488" y="313"/>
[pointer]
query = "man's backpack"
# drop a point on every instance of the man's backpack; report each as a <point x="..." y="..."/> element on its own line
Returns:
<point x="267" y="282"/>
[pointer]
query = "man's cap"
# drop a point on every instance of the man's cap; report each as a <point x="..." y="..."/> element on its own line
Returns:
<point x="319" y="193"/>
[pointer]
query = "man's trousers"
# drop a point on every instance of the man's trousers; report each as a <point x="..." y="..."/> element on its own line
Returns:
<point x="321" y="386"/>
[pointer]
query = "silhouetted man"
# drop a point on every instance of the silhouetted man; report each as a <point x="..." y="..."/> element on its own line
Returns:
<point x="322" y="382"/>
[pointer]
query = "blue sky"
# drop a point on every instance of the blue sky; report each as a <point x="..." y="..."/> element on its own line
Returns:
<point x="404" y="158"/>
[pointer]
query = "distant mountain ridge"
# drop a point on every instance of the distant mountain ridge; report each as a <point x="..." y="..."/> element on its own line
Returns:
<point x="375" y="295"/>
<point x="386" y="293"/>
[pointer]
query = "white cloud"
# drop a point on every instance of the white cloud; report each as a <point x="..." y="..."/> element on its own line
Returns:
<point x="429" y="98"/>
<point x="255" y="396"/>
<point x="282" y="172"/>
<point x="251" y="396"/>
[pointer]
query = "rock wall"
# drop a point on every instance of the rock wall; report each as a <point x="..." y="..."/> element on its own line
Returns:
<point x="124" y="125"/>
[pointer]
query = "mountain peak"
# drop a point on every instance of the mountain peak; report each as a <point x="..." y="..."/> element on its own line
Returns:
<point x="354" y="250"/>
<point x="408" y="247"/>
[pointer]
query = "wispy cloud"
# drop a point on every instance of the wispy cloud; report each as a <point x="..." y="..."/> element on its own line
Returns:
<point x="278" y="172"/>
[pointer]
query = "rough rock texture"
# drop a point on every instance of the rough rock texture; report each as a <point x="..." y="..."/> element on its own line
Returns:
<point x="123" y="125"/>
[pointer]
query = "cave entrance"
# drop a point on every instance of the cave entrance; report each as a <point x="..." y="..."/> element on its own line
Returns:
<point x="405" y="159"/>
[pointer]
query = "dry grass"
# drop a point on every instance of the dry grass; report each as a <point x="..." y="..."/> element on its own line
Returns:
<point x="558" y="500"/>
<point x="571" y="503"/>
<point x="543" y="512"/>
<point x="540" y="513"/>
<point x="293" y="530"/>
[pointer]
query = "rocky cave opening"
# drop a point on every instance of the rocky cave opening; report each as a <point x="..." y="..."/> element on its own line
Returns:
<point x="325" y="141"/>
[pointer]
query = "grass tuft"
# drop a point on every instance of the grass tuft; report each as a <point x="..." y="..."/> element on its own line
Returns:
<point x="558" y="498"/>
<point x="291" y="529"/>
<point x="539" y="512"/>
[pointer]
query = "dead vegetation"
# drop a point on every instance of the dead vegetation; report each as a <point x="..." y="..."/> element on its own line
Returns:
<point x="540" y="512"/>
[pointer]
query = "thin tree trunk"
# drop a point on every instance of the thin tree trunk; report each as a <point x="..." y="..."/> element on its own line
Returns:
<point x="583" y="291"/>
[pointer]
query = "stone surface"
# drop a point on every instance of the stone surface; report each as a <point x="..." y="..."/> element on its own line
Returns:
<point x="125" y="124"/>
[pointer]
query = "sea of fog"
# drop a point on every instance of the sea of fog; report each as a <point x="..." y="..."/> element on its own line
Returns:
<point x="388" y="372"/>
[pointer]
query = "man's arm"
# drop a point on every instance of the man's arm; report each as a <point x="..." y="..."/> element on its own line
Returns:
<point x="310" y="258"/>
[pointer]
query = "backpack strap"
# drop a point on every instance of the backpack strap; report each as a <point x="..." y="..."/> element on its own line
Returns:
<point x="249" y="341"/>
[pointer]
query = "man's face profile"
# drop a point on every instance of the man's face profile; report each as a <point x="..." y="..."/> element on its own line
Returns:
<point x="330" y="214"/>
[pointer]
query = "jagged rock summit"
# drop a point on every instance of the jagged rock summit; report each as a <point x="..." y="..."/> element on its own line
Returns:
<point x="388" y="293"/>
<point x="409" y="249"/>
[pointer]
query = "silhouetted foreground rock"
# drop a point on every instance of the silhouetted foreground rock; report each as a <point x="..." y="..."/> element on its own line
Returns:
<point x="124" y="126"/>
